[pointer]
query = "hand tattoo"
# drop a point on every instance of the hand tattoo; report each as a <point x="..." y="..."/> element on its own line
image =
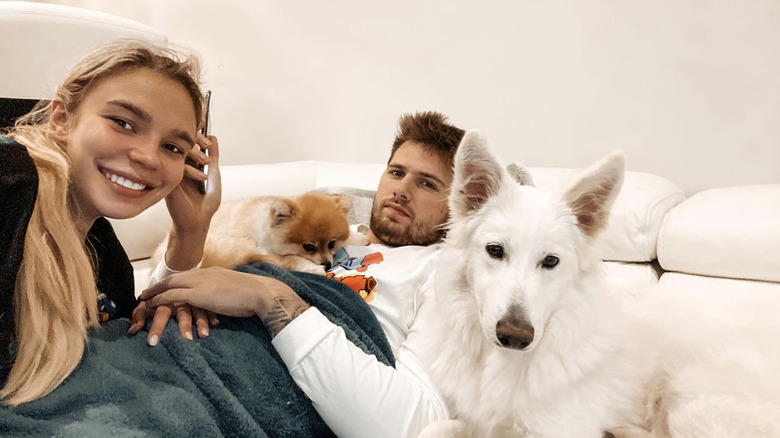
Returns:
<point x="285" y="309"/>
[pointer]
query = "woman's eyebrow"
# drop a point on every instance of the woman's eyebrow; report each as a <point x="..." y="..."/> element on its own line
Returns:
<point x="143" y="115"/>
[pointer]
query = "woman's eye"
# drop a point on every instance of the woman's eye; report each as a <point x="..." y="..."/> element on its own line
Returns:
<point x="495" y="250"/>
<point x="308" y="247"/>
<point x="550" y="261"/>
<point x="396" y="173"/>
<point x="123" y="124"/>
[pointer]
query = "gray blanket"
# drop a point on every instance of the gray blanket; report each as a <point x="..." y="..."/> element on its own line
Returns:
<point x="232" y="383"/>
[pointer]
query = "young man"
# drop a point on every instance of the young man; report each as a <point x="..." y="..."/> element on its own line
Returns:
<point x="354" y="393"/>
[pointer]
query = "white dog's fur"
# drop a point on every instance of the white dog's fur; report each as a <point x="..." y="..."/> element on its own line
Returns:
<point x="664" y="363"/>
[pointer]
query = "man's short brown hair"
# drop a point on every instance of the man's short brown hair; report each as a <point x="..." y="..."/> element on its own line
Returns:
<point x="430" y="129"/>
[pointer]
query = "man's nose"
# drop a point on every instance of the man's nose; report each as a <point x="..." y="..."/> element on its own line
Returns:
<point x="402" y="190"/>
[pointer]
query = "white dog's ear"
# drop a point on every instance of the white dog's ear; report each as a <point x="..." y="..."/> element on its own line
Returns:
<point x="476" y="177"/>
<point x="281" y="211"/>
<point x="520" y="174"/>
<point x="591" y="197"/>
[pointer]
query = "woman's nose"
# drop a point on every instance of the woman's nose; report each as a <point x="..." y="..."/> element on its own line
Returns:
<point x="145" y="153"/>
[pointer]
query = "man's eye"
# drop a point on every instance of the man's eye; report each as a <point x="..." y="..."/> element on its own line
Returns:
<point x="429" y="185"/>
<point x="308" y="247"/>
<point x="396" y="173"/>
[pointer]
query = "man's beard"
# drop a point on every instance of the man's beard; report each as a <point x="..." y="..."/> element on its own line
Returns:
<point x="415" y="234"/>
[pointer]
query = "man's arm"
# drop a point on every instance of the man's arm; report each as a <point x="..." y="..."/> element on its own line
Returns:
<point x="353" y="392"/>
<point x="281" y="310"/>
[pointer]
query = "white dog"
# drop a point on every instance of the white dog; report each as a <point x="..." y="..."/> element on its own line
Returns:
<point x="529" y="340"/>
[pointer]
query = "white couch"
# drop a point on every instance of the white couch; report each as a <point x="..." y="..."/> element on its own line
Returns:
<point x="727" y="238"/>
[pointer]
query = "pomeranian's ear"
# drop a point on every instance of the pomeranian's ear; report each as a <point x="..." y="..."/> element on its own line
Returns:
<point x="344" y="202"/>
<point x="521" y="174"/>
<point x="282" y="210"/>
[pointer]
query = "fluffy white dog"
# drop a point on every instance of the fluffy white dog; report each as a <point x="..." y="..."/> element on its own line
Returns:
<point x="530" y="341"/>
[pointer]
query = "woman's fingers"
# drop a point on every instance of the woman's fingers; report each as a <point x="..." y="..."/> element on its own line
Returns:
<point x="184" y="318"/>
<point x="201" y="321"/>
<point x="138" y="320"/>
<point x="161" y="316"/>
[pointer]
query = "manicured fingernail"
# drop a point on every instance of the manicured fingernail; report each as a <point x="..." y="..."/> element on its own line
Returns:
<point x="188" y="335"/>
<point x="153" y="340"/>
<point x="204" y="332"/>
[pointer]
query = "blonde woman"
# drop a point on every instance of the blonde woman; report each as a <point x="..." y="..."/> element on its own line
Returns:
<point x="111" y="143"/>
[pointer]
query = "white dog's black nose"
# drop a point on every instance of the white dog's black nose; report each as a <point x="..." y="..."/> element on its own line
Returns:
<point x="514" y="332"/>
<point x="326" y="265"/>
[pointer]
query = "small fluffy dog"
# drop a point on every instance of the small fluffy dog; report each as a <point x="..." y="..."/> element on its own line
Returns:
<point x="300" y="233"/>
<point x="528" y="340"/>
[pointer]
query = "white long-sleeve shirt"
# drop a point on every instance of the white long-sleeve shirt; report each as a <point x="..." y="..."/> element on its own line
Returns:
<point x="355" y="394"/>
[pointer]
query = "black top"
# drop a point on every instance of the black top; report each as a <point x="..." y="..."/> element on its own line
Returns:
<point x="18" y="191"/>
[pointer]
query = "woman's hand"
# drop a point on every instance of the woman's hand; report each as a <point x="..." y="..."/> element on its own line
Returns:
<point x="160" y="316"/>
<point x="231" y="293"/>
<point x="190" y="209"/>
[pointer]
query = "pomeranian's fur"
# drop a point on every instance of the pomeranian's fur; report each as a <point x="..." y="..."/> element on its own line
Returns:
<point x="300" y="233"/>
<point x="529" y="340"/>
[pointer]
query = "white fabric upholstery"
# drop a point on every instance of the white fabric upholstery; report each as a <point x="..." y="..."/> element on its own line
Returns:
<point x="636" y="215"/>
<point x="706" y="285"/>
<point x="726" y="232"/>
<point x="39" y="42"/>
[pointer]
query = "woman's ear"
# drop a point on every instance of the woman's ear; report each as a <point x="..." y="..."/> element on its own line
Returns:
<point x="58" y="117"/>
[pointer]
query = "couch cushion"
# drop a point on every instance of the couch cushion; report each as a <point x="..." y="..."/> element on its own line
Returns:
<point x="707" y="285"/>
<point x="725" y="232"/>
<point x="636" y="215"/>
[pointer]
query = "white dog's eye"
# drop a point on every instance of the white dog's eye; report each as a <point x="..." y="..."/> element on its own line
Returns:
<point x="308" y="247"/>
<point x="331" y="244"/>
<point x="495" y="250"/>
<point x="550" y="261"/>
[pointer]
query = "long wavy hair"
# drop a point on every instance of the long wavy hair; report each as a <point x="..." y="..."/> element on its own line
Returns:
<point x="55" y="297"/>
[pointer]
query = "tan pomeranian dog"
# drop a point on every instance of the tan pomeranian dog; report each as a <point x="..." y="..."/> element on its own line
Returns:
<point x="299" y="234"/>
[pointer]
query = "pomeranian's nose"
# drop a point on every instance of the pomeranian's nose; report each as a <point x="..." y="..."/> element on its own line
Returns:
<point x="326" y="264"/>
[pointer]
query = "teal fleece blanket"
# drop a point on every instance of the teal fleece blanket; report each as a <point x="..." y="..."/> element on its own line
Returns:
<point x="231" y="384"/>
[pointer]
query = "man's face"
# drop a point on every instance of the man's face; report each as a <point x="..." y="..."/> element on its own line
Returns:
<point x="411" y="200"/>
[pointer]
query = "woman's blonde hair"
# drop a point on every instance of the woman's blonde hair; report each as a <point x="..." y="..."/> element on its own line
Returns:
<point x="55" y="296"/>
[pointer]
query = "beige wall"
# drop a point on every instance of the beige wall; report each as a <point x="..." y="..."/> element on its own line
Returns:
<point x="690" y="89"/>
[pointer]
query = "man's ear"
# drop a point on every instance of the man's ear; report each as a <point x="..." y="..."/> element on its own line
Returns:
<point x="58" y="117"/>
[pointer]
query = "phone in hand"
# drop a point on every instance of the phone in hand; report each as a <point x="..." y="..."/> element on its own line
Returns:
<point x="205" y="130"/>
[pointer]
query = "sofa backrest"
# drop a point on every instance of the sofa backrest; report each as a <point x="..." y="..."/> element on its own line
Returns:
<point x="630" y="237"/>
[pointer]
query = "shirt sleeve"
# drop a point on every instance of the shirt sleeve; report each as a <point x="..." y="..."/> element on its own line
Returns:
<point x="162" y="271"/>
<point x="355" y="394"/>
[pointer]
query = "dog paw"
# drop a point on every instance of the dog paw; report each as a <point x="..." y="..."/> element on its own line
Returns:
<point x="444" y="429"/>
<point x="356" y="238"/>
<point x="310" y="267"/>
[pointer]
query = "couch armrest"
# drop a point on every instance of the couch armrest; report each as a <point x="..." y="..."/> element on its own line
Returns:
<point x="726" y="232"/>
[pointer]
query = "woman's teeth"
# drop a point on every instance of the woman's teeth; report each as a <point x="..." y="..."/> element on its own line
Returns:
<point x="124" y="182"/>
